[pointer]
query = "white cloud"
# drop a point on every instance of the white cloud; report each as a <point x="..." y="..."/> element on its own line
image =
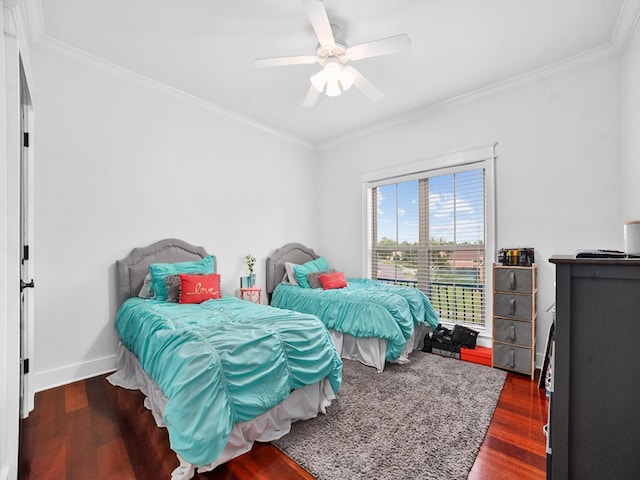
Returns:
<point x="443" y="205"/>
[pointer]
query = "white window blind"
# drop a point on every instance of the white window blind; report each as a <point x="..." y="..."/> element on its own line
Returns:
<point x="430" y="231"/>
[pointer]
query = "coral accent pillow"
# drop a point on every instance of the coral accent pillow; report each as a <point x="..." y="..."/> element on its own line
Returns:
<point x="199" y="288"/>
<point x="332" y="280"/>
<point x="312" y="277"/>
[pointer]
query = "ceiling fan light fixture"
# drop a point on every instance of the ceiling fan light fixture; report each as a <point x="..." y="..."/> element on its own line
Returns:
<point x="333" y="88"/>
<point x="333" y="54"/>
<point x="333" y="79"/>
<point x="332" y="70"/>
<point x="346" y="79"/>
<point x="318" y="81"/>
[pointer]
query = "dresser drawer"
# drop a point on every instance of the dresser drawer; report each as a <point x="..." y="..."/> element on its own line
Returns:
<point x="512" y="306"/>
<point x="512" y="357"/>
<point x="512" y="331"/>
<point x="517" y="280"/>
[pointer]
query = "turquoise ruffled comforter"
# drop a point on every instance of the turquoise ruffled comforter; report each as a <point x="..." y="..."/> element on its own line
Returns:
<point x="222" y="362"/>
<point x="365" y="308"/>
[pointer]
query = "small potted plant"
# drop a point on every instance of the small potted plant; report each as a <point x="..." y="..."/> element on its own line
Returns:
<point x="251" y="262"/>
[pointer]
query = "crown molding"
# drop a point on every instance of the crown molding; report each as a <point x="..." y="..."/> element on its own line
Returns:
<point x="11" y="25"/>
<point x="35" y="20"/>
<point x="28" y="17"/>
<point x="37" y="38"/>
<point x="558" y="69"/>
<point x="628" y="18"/>
<point x="16" y="23"/>
<point x="55" y="48"/>
<point x="626" y="24"/>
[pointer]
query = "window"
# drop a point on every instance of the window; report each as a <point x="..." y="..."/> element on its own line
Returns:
<point x="430" y="230"/>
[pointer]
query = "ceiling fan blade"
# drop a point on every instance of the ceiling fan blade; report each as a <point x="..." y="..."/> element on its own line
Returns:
<point x="311" y="97"/>
<point x="283" y="61"/>
<point x="364" y="85"/>
<point x="375" y="48"/>
<point x="319" y="21"/>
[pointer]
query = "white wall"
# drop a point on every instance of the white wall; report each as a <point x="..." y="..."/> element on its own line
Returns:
<point x="557" y="172"/>
<point x="630" y="129"/>
<point x="122" y="164"/>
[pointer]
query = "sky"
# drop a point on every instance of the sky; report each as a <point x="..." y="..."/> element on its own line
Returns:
<point x="466" y="207"/>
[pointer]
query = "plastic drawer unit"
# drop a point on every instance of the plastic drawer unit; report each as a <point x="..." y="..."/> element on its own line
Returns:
<point x="514" y="318"/>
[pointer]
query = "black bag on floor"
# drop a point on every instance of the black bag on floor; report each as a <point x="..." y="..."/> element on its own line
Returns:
<point x="464" y="336"/>
<point x="442" y="335"/>
<point x="427" y="344"/>
<point x="445" y="350"/>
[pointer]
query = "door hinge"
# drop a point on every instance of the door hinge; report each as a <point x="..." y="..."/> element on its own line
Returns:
<point x="24" y="285"/>
<point x="25" y="366"/>
<point x="25" y="139"/>
<point x="25" y="252"/>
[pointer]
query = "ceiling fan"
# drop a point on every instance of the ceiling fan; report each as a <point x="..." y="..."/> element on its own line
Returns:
<point x="333" y="54"/>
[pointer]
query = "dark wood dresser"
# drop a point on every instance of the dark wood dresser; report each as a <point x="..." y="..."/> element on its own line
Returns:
<point x="594" y="411"/>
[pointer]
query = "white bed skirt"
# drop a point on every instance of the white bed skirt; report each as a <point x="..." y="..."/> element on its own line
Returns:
<point x="301" y="404"/>
<point x="372" y="351"/>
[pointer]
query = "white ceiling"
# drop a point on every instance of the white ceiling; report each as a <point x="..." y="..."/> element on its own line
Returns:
<point x="205" y="48"/>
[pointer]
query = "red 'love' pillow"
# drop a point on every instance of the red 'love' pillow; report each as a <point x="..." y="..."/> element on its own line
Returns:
<point x="199" y="288"/>
<point x="332" y="280"/>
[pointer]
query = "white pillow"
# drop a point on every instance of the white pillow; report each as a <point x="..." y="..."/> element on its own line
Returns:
<point x="288" y="266"/>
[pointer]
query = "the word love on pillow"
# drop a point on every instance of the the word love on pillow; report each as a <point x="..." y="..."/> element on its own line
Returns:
<point x="199" y="288"/>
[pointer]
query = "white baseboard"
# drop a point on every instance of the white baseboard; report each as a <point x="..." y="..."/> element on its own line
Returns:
<point x="72" y="373"/>
<point x="539" y="359"/>
<point x="483" y="341"/>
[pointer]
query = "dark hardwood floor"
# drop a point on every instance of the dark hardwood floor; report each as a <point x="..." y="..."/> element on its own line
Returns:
<point x="92" y="430"/>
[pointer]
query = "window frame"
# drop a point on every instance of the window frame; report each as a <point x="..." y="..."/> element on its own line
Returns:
<point x="482" y="157"/>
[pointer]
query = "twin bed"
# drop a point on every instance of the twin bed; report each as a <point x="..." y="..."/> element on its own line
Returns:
<point x="220" y="372"/>
<point x="369" y="321"/>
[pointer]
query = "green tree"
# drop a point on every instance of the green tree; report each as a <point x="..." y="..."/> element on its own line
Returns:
<point x="439" y="264"/>
<point x="387" y="242"/>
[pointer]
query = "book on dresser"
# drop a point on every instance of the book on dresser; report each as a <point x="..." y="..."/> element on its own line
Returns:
<point x="514" y="318"/>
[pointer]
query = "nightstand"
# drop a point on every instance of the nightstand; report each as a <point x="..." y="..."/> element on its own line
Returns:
<point x="252" y="294"/>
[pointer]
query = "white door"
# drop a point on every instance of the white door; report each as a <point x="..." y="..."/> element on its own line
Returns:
<point x="26" y="248"/>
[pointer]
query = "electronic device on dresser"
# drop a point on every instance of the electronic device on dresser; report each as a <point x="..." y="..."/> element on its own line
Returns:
<point x="594" y="419"/>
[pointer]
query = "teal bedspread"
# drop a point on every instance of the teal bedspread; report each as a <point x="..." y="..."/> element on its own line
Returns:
<point x="223" y="361"/>
<point x="365" y="308"/>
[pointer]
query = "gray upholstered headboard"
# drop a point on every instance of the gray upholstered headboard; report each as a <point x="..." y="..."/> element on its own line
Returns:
<point x="131" y="270"/>
<point x="291" y="252"/>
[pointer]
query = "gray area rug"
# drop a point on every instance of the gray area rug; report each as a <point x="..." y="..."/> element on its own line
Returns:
<point x="423" y="420"/>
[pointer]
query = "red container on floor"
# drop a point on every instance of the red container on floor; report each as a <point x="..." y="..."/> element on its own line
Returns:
<point x="481" y="355"/>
